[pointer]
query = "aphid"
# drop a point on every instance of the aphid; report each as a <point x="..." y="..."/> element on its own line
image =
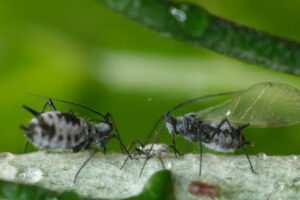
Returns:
<point x="204" y="189"/>
<point x="219" y="127"/>
<point x="158" y="150"/>
<point x="59" y="131"/>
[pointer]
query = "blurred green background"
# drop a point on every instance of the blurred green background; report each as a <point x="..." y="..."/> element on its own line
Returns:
<point x="83" y="52"/>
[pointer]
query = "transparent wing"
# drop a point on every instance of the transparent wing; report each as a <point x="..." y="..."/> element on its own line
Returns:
<point x="261" y="105"/>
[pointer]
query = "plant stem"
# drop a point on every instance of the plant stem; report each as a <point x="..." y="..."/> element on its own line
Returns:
<point x="197" y="27"/>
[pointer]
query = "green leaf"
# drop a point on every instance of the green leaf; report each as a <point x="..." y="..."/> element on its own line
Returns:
<point x="193" y="25"/>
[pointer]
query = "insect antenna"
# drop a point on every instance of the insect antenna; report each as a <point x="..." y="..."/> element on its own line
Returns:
<point x="199" y="99"/>
<point x="68" y="102"/>
<point x="155" y="125"/>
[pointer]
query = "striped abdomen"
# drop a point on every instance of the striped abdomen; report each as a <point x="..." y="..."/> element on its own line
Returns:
<point x="57" y="131"/>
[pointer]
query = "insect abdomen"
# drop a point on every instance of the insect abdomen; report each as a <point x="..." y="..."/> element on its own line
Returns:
<point x="57" y="131"/>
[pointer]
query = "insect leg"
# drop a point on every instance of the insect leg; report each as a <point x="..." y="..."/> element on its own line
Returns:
<point x="200" y="168"/>
<point x="104" y="150"/>
<point x="35" y="113"/>
<point x="223" y="121"/>
<point x="175" y="150"/>
<point x="134" y="150"/>
<point x="129" y="156"/>
<point x="200" y="132"/>
<point x="94" y="151"/>
<point x="161" y="161"/>
<point x="153" y="142"/>
<point x="26" y="143"/>
<point x="123" y="148"/>
<point x="146" y="160"/>
<point x="248" y="159"/>
<point x="50" y="104"/>
<point x="126" y="159"/>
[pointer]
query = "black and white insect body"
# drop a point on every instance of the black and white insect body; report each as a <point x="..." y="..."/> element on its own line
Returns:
<point x="147" y="151"/>
<point x="219" y="136"/>
<point x="59" y="131"/>
<point x="219" y="127"/>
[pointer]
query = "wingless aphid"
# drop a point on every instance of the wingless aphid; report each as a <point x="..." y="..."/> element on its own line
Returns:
<point x="219" y="127"/>
<point x="148" y="151"/>
<point x="60" y="131"/>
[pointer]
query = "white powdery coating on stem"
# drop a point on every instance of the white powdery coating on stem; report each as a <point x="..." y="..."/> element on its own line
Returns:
<point x="278" y="177"/>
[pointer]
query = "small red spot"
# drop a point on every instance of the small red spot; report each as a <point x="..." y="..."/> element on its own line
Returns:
<point x="204" y="189"/>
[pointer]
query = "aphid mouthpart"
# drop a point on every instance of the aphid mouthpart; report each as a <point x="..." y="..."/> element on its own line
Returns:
<point x="59" y="131"/>
<point x="219" y="127"/>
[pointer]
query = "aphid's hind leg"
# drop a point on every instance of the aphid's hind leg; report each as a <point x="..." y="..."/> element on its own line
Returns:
<point x="50" y="104"/>
<point x="247" y="143"/>
<point x="248" y="159"/>
<point x="35" y="113"/>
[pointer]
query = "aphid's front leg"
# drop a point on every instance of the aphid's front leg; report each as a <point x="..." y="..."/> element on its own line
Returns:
<point x="200" y="132"/>
<point x="175" y="150"/>
<point x="123" y="148"/>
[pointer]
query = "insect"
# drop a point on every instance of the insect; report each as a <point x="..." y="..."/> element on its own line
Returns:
<point x="157" y="150"/>
<point x="204" y="189"/>
<point x="219" y="127"/>
<point x="60" y="131"/>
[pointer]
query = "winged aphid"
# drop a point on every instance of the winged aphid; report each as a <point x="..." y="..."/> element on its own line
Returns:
<point x="219" y="127"/>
